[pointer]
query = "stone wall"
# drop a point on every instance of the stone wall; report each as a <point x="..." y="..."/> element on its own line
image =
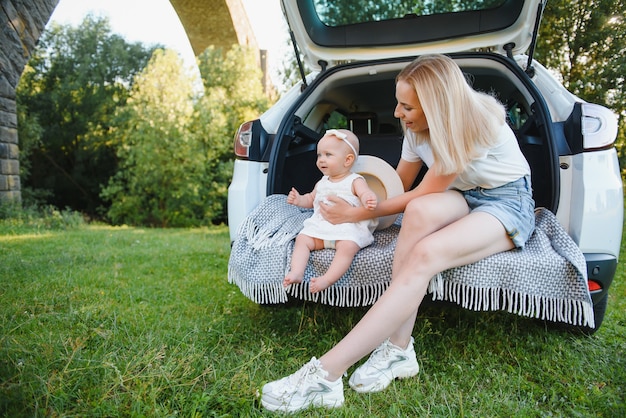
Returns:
<point x="222" y="23"/>
<point x="22" y="23"/>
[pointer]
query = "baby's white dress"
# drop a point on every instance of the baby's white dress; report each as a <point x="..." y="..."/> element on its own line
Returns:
<point x="316" y="226"/>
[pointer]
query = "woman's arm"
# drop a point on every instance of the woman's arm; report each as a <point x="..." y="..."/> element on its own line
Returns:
<point x="408" y="172"/>
<point x="340" y="211"/>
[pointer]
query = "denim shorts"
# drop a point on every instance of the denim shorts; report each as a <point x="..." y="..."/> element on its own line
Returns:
<point x="512" y="204"/>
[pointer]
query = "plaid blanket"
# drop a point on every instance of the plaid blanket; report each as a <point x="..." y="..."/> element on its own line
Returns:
<point x="547" y="279"/>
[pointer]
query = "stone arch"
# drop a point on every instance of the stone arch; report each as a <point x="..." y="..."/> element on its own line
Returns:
<point x="222" y="23"/>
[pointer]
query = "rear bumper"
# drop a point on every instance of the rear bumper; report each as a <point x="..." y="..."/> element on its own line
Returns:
<point x="601" y="270"/>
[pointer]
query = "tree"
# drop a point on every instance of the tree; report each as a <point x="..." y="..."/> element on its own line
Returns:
<point x="234" y="78"/>
<point x="175" y="147"/>
<point x="355" y="11"/>
<point x="233" y="94"/>
<point x="30" y="133"/>
<point x="585" y="42"/>
<point x="156" y="182"/>
<point x="70" y="88"/>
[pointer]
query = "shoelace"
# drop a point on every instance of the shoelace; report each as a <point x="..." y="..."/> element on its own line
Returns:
<point x="381" y="352"/>
<point x="302" y="375"/>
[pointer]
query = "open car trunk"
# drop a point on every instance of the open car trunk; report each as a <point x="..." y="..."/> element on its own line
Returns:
<point x="361" y="97"/>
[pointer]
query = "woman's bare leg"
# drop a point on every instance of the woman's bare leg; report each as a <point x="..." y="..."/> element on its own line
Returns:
<point x="467" y="239"/>
<point x="421" y="218"/>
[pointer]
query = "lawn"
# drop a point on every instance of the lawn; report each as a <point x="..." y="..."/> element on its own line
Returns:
<point x="115" y="321"/>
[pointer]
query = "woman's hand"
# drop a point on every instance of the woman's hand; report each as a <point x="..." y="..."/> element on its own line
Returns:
<point x="339" y="211"/>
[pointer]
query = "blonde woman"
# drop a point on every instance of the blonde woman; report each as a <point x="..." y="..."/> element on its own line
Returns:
<point x="474" y="201"/>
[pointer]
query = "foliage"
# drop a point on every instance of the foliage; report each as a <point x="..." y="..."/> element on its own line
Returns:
<point x="121" y="321"/>
<point x="30" y="133"/>
<point x="346" y="12"/>
<point x="75" y="79"/>
<point x="15" y="218"/>
<point x="233" y="79"/>
<point x="154" y="184"/>
<point x="103" y="134"/>
<point x="584" y="41"/>
<point x="233" y="94"/>
<point x="175" y="150"/>
<point x="288" y="71"/>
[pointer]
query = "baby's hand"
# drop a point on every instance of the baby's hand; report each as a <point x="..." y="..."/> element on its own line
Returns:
<point x="370" y="200"/>
<point x="293" y="197"/>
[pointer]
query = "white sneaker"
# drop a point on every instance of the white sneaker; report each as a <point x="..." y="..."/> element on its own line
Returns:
<point x="385" y="364"/>
<point x="306" y="387"/>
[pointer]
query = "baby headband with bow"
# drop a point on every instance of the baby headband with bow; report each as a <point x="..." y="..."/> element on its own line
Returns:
<point x="343" y="137"/>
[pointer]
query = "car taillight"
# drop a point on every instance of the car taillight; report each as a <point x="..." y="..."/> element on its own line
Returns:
<point x="593" y="286"/>
<point x="598" y="126"/>
<point x="243" y="139"/>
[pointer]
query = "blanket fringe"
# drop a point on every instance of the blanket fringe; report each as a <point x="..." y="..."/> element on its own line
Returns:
<point x="262" y="238"/>
<point x="261" y="293"/>
<point x="573" y="312"/>
<point x="338" y="295"/>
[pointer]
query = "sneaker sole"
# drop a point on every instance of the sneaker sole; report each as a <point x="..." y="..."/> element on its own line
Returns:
<point x="317" y="402"/>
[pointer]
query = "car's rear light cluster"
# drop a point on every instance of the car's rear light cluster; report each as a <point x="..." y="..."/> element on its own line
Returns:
<point x="243" y="139"/>
<point x="593" y="285"/>
<point x="598" y="126"/>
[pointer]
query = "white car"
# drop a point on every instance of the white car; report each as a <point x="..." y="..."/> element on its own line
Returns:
<point x="568" y="143"/>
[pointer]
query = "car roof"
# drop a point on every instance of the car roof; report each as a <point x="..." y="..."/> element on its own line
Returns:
<point x="329" y="32"/>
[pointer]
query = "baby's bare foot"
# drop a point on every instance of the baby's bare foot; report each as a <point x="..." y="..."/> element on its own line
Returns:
<point x="319" y="283"/>
<point x="292" y="277"/>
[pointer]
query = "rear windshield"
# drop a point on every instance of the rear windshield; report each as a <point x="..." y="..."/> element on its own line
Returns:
<point x="347" y="12"/>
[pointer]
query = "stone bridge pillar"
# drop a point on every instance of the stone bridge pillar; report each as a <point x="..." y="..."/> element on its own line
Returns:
<point x="21" y="25"/>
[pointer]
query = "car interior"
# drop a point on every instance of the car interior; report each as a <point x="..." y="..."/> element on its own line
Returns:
<point x="362" y="99"/>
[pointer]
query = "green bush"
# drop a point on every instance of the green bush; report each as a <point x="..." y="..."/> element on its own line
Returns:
<point x="15" y="218"/>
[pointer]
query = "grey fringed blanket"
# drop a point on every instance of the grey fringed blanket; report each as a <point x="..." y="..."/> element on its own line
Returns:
<point x="547" y="279"/>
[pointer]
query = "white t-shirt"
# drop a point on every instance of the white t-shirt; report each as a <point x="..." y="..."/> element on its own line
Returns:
<point x="497" y="166"/>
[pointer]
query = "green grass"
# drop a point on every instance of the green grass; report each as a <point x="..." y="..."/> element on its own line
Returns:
<point x="103" y="321"/>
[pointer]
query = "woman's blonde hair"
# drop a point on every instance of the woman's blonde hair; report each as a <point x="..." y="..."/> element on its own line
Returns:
<point x="462" y="122"/>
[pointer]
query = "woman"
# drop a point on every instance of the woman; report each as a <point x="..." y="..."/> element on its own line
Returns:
<point x="474" y="201"/>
